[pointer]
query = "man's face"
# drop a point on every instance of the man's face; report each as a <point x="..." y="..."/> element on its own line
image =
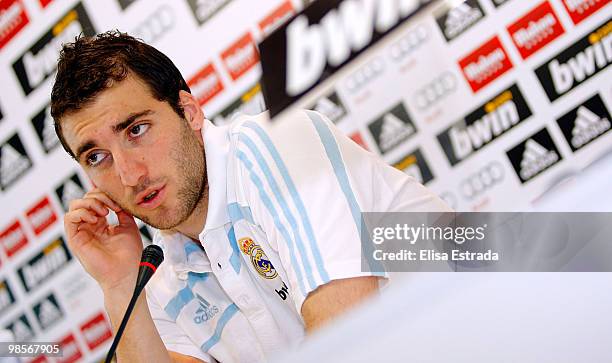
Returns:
<point x="139" y="152"/>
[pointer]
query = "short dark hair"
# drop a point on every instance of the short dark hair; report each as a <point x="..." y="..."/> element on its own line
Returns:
<point x="90" y="65"/>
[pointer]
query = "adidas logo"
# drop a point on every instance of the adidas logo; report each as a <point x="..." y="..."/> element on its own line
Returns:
<point x="459" y="19"/>
<point x="393" y="131"/>
<point x="536" y="158"/>
<point x="49" y="137"/>
<point x="329" y="109"/>
<point x="21" y="330"/>
<point x="205" y="311"/>
<point x="71" y="191"/>
<point x="588" y="126"/>
<point x="12" y="164"/>
<point x="48" y="313"/>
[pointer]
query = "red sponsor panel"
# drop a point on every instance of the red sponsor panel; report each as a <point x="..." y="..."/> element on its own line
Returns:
<point x="579" y="10"/>
<point x="41" y="216"/>
<point x="96" y="331"/>
<point x="44" y="3"/>
<point x="276" y="18"/>
<point x="240" y="57"/>
<point x="13" y="18"/>
<point x="535" y="30"/>
<point x="13" y="239"/>
<point x="359" y="140"/>
<point x="206" y="84"/>
<point x="39" y="359"/>
<point x="485" y="64"/>
<point x="70" y="350"/>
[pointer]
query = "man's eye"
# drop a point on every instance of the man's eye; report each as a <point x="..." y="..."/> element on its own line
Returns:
<point x="138" y="130"/>
<point x="95" y="158"/>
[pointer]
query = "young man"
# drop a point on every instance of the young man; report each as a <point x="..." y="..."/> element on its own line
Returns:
<point x="259" y="223"/>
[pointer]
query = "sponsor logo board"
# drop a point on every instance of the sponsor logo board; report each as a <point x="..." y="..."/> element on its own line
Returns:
<point x="48" y="312"/>
<point x="408" y="43"/>
<point x="276" y="18"/>
<point x="156" y="25"/>
<point x="13" y="18"/>
<point x="536" y="29"/>
<point x="206" y="84"/>
<point x="585" y="123"/>
<point x="69" y="189"/>
<point x="70" y="349"/>
<point x="96" y="331"/>
<point x="44" y="265"/>
<point x="577" y="63"/>
<point x="240" y="57"/>
<point x="13" y="239"/>
<point x="41" y="216"/>
<point x="392" y="128"/>
<point x="362" y="77"/>
<point x="43" y="125"/>
<point x="14" y="161"/>
<point x="40" y="61"/>
<point x="534" y="155"/>
<point x="482" y="180"/>
<point x="459" y="18"/>
<point x="485" y="64"/>
<point x="203" y="10"/>
<point x="415" y="165"/>
<point x="435" y="91"/>
<point x="579" y="10"/>
<point x="330" y="106"/>
<point x="485" y="124"/>
<point x="250" y="103"/>
<point x="7" y="298"/>
<point x="21" y="329"/>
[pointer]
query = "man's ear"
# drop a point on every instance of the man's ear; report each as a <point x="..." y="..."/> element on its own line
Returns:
<point x="191" y="107"/>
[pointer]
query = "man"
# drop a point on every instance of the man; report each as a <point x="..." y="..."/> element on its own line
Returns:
<point x="259" y="223"/>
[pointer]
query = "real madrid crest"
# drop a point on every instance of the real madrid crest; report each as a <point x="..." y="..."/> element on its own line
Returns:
<point x="260" y="261"/>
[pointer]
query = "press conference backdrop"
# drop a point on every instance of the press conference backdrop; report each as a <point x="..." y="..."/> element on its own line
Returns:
<point x="492" y="103"/>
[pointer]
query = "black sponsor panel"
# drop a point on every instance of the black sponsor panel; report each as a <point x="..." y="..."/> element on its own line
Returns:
<point x="44" y="265"/>
<point x="48" y="311"/>
<point x="250" y="103"/>
<point x="40" y="61"/>
<point x="14" y="161"/>
<point x="302" y="53"/>
<point x="577" y="63"/>
<point x="585" y="123"/>
<point x="21" y="329"/>
<point x="484" y="125"/>
<point x="415" y="165"/>
<point x="7" y="298"/>
<point x="69" y="189"/>
<point x="330" y="106"/>
<point x="392" y="128"/>
<point x="534" y="155"/>
<point x="125" y="3"/>
<point x="43" y="125"/>
<point x="499" y="3"/>
<point x="456" y="20"/>
<point x="203" y="10"/>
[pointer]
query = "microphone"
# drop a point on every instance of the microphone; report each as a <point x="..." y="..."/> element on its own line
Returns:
<point x="152" y="257"/>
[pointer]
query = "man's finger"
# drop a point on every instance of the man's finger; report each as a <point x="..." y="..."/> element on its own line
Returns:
<point x="104" y="198"/>
<point x="125" y="219"/>
<point x="89" y="203"/>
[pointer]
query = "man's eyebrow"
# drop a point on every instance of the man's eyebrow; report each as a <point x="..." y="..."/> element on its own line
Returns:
<point x="84" y="148"/>
<point x="125" y="123"/>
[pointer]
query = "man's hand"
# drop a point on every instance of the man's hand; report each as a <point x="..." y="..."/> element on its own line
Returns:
<point x="334" y="298"/>
<point x="110" y="254"/>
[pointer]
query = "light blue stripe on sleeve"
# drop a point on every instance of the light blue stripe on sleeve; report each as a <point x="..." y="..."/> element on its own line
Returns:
<point x="228" y="313"/>
<point x="278" y="195"/>
<point x="297" y="200"/>
<point x="333" y="153"/>
<point x="235" y="257"/>
<point x="174" y="307"/>
<point x="238" y="212"/>
<point x="268" y="204"/>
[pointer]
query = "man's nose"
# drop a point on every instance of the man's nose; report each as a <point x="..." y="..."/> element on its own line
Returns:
<point x="130" y="167"/>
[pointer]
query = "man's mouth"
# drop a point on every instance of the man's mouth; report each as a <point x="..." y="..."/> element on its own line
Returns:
<point x="151" y="198"/>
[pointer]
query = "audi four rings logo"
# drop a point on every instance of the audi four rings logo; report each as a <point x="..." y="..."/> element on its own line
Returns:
<point x="483" y="180"/>
<point x="435" y="90"/>
<point x="156" y="25"/>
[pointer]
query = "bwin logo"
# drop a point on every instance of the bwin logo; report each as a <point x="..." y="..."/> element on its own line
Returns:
<point x="350" y="28"/>
<point x="205" y="311"/>
<point x="156" y="25"/>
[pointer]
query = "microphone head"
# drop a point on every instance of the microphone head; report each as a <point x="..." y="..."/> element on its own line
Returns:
<point x="152" y="254"/>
